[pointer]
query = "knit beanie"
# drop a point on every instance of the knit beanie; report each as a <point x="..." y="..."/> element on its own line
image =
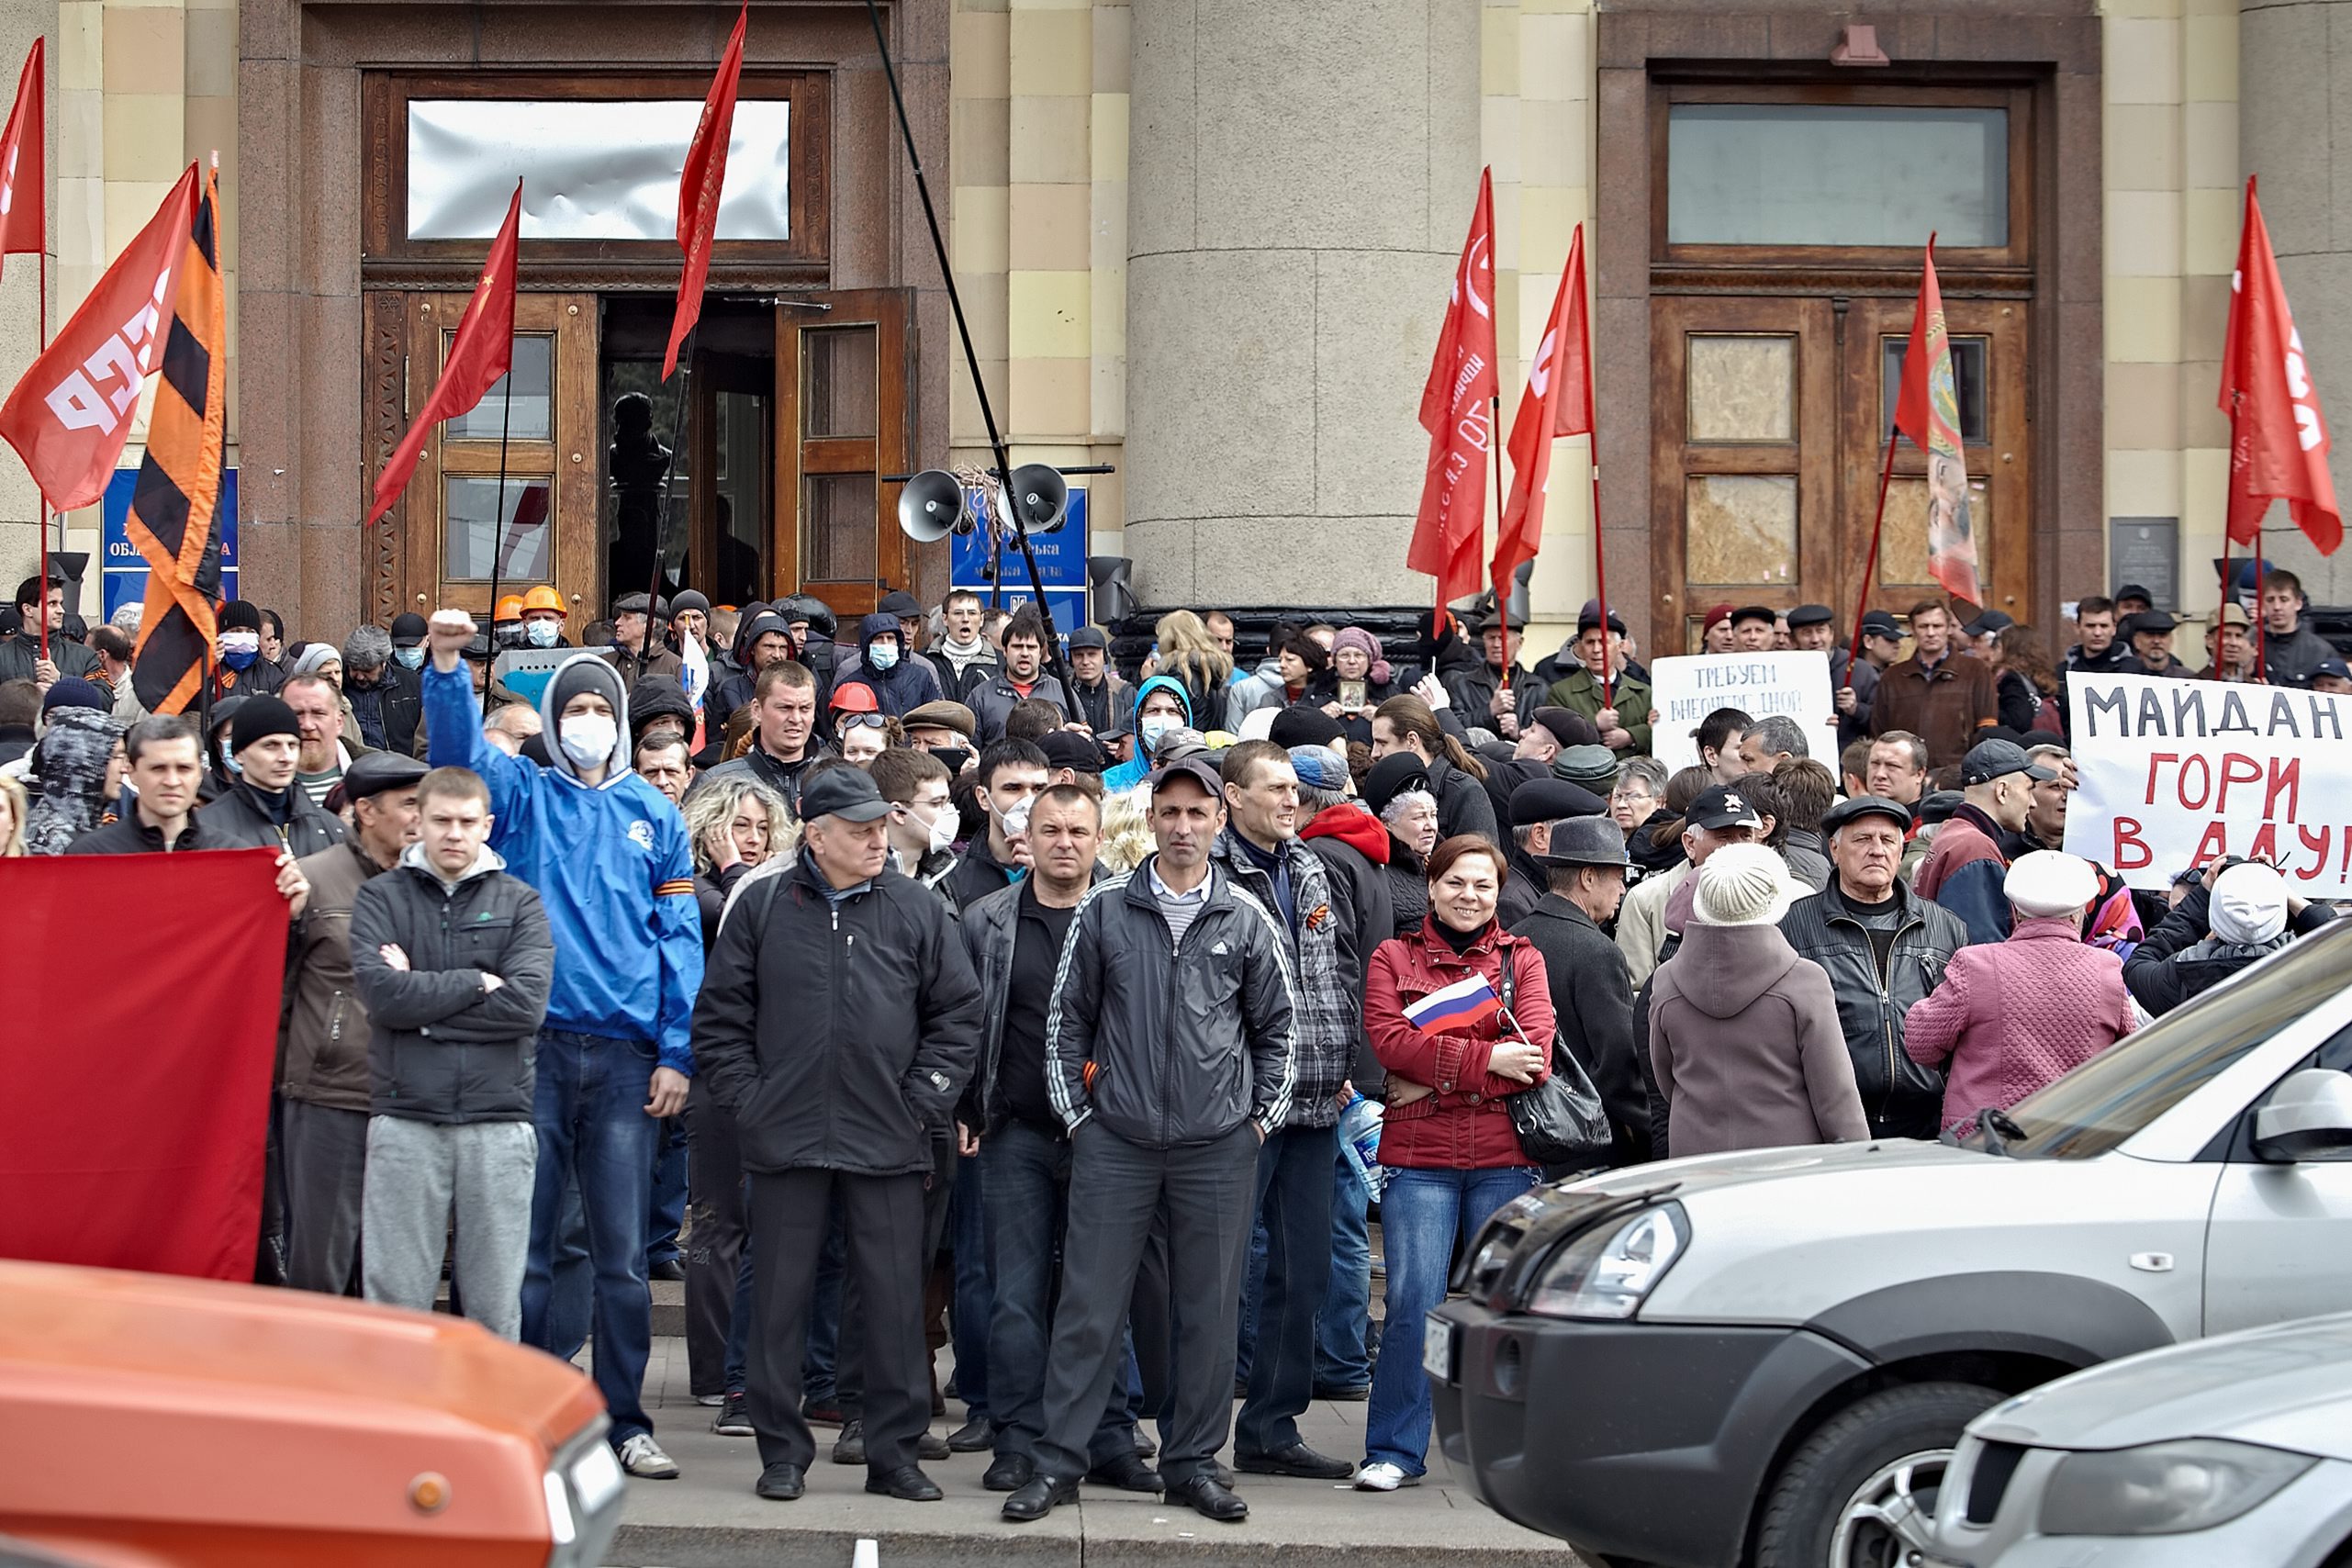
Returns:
<point x="2249" y="904"/>
<point x="261" y="717"/>
<point x="2048" y="882"/>
<point x="1365" y="642"/>
<point x="317" y="656"/>
<point x="239" y="615"/>
<point x="73" y="692"/>
<point x="1742" y="884"/>
<point x="1303" y="725"/>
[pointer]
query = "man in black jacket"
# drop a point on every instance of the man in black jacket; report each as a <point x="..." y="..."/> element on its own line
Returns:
<point x="385" y="696"/>
<point x="263" y="807"/>
<point x="838" y="1023"/>
<point x="1884" y="948"/>
<point x="1592" y="995"/>
<point x="166" y="769"/>
<point x="784" y="738"/>
<point x="1169" y="1057"/>
<point x="453" y="958"/>
<point x="1011" y="773"/>
<point x="2236" y="913"/>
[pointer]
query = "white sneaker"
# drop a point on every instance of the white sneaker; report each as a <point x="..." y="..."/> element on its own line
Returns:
<point x="713" y="1400"/>
<point x="1380" y="1477"/>
<point x="642" y="1457"/>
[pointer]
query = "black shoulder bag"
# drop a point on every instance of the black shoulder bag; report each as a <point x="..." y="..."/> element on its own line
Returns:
<point x="1560" y="1122"/>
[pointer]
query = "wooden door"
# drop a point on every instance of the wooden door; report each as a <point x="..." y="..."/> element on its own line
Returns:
<point x="733" y="436"/>
<point x="844" y="416"/>
<point x="1989" y="354"/>
<point x="463" y="534"/>
<point x="1743" y="463"/>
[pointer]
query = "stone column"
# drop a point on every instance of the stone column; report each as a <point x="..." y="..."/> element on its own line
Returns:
<point x="1300" y="180"/>
<point x="2294" y="106"/>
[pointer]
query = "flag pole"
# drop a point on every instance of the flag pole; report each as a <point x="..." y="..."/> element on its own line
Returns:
<point x="1600" y="566"/>
<point x="499" y="513"/>
<point x="44" y="495"/>
<point x="1870" y="566"/>
<point x="661" y="516"/>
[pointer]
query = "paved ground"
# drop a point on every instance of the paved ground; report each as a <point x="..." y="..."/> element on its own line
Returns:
<point x="709" y="1519"/>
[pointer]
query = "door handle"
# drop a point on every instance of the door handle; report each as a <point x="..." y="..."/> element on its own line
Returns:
<point x="2151" y="1263"/>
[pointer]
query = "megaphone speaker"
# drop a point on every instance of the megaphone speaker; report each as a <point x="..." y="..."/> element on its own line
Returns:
<point x="932" y="507"/>
<point x="1112" y="578"/>
<point x="1040" y="497"/>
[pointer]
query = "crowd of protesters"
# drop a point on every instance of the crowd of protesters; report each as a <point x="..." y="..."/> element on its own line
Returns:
<point x="895" y="990"/>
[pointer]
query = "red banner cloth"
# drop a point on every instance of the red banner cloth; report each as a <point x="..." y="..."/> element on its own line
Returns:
<point x="1558" y="402"/>
<point x="699" y="186"/>
<point x="2278" y="442"/>
<point x="134" y="1090"/>
<point x="1927" y="410"/>
<point x="67" y="416"/>
<point x="1455" y="412"/>
<point x="481" y="351"/>
<point x="22" y="184"/>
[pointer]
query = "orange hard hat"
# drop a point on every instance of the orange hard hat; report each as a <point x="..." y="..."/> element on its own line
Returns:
<point x="509" y="607"/>
<point x="854" y="696"/>
<point x="544" y="598"/>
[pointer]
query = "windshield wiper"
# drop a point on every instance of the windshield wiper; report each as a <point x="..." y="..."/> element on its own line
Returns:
<point x="1996" y="1130"/>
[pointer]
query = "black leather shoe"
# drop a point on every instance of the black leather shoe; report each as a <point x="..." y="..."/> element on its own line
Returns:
<point x="782" y="1482"/>
<point x="1347" y="1394"/>
<point x="1010" y="1473"/>
<point x="931" y="1445"/>
<point x="907" y="1483"/>
<point x="1145" y="1447"/>
<point x="850" y="1447"/>
<point x="1298" y="1459"/>
<point x="1224" y="1476"/>
<point x="1128" y="1472"/>
<point x="1207" y="1496"/>
<point x="975" y="1435"/>
<point x="1039" y="1498"/>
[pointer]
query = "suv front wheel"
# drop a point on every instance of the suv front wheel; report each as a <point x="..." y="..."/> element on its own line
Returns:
<point x="1860" y="1491"/>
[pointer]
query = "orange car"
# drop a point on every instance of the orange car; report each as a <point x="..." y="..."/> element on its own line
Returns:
<point x="190" y="1422"/>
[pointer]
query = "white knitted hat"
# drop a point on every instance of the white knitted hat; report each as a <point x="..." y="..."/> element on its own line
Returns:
<point x="2249" y="904"/>
<point x="1742" y="884"/>
<point x="2048" y="882"/>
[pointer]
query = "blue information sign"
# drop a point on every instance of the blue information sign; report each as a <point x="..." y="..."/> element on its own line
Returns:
<point x="124" y="574"/>
<point x="1061" y="564"/>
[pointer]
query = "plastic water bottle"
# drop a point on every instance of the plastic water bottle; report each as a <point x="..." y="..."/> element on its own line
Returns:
<point x="1359" y="1141"/>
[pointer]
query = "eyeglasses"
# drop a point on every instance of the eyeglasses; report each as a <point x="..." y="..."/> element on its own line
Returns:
<point x="861" y="720"/>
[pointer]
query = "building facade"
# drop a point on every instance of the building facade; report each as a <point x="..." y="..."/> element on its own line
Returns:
<point x="1208" y="242"/>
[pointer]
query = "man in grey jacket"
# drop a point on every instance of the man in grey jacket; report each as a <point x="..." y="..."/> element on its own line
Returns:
<point x="454" y="960"/>
<point x="1169" y="1057"/>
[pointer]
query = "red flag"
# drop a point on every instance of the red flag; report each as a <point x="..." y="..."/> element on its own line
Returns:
<point x="699" y="186"/>
<point x="1447" y="532"/>
<point x="21" y="182"/>
<point x="2278" y="442"/>
<point x="148" y="1153"/>
<point x="480" y="354"/>
<point x="1558" y="401"/>
<point x="1928" y="410"/>
<point x="67" y="416"/>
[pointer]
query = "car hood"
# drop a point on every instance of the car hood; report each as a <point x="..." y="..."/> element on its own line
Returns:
<point x="2289" y="1386"/>
<point x="1708" y="1172"/>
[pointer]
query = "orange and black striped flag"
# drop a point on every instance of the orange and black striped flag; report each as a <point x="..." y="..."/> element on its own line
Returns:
<point x="174" y="506"/>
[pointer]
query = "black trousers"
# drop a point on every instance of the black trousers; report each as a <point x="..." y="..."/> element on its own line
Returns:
<point x="882" y="1217"/>
<point x="850" y="1355"/>
<point x="715" y="1240"/>
<point x="1206" y="1192"/>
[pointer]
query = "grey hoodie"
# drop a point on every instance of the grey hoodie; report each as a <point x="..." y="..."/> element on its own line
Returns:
<point x="586" y="671"/>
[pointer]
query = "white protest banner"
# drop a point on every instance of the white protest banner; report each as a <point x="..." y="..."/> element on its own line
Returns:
<point x="1686" y="691"/>
<point x="2176" y="773"/>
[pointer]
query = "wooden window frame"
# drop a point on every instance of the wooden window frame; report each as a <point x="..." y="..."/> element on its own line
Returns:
<point x="387" y="256"/>
<point x="2017" y="99"/>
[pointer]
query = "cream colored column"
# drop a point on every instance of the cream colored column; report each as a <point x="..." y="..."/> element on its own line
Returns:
<point x="1300" y="179"/>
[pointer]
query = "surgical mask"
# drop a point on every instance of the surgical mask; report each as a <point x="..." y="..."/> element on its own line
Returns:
<point x="943" y="827"/>
<point x="541" y="633"/>
<point x="411" y="658"/>
<point x="229" y="760"/>
<point x="1016" y="821"/>
<point x="587" y="738"/>
<point x="1154" y="729"/>
<point x="882" y="655"/>
<point x="240" y="649"/>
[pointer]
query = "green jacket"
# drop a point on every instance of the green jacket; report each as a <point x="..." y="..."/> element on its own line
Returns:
<point x="1630" y="698"/>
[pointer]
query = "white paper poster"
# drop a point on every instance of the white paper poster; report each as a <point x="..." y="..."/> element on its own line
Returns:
<point x="1687" y="689"/>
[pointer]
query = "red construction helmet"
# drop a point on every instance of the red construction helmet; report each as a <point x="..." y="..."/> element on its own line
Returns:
<point x="853" y="697"/>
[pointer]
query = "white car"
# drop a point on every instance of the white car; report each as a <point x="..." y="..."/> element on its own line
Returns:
<point x="1768" y="1357"/>
<point x="2232" y="1451"/>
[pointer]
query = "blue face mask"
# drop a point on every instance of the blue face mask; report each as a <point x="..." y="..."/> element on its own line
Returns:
<point x="883" y="655"/>
<point x="240" y="658"/>
<point x="1154" y="728"/>
<point x="411" y="658"/>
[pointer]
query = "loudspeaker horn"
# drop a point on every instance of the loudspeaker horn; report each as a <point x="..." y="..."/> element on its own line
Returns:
<point x="932" y="507"/>
<point x="1040" y="497"/>
<point x="1112" y="578"/>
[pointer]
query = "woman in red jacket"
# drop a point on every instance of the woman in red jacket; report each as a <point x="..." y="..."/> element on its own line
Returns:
<point x="1447" y="1134"/>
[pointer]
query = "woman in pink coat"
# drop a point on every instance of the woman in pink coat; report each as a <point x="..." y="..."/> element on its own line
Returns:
<point x="2012" y="1016"/>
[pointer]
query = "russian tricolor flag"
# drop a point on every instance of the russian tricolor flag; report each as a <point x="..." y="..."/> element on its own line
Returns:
<point x="1457" y="1006"/>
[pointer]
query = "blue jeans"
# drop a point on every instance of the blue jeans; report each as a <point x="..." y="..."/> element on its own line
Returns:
<point x="1342" y="1357"/>
<point x="589" y="1107"/>
<point x="973" y="1303"/>
<point x="1294" y="1202"/>
<point x="669" y="1210"/>
<point x="1420" y="1215"/>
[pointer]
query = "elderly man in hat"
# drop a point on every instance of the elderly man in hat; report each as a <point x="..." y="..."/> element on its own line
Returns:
<point x="2229" y="647"/>
<point x="2150" y="633"/>
<point x="843" y="1116"/>
<point x="1495" y="693"/>
<point x="1884" y="948"/>
<point x="637" y="639"/>
<point x="1584" y="864"/>
<point x="1962" y="872"/>
<point x="1615" y="700"/>
<point x="1535" y="806"/>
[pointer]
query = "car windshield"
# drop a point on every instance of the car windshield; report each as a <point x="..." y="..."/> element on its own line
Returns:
<point x="2141" y="1076"/>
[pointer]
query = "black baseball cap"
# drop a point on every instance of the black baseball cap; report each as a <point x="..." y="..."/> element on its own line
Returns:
<point x="1763" y="612"/>
<point x="1878" y="623"/>
<point x="1854" y="808"/>
<point x="1722" y="806"/>
<point x="1199" y="769"/>
<point x="900" y="603"/>
<point x="1989" y="623"/>
<point x="1067" y="748"/>
<point x="1989" y="760"/>
<point x="1545" y="799"/>
<point x="848" y="793"/>
<point x="2134" y="590"/>
<point x="407" y="629"/>
<point x="1811" y="615"/>
<point x="1089" y="637"/>
<point x="2336" y="668"/>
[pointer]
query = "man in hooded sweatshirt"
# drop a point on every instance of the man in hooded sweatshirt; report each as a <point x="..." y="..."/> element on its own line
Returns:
<point x="1162" y="705"/>
<point x="900" y="681"/>
<point x="607" y="854"/>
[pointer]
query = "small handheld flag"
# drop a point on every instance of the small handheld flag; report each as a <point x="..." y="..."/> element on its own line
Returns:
<point x="1456" y="1006"/>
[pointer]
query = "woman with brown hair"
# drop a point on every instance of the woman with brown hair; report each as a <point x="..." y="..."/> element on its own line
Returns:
<point x="2027" y="683"/>
<point x="1188" y="654"/>
<point x="1456" y="778"/>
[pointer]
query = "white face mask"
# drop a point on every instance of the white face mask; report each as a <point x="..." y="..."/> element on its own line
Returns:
<point x="1154" y="729"/>
<point x="1016" y="821"/>
<point x="541" y="633"/>
<point x="942" y="826"/>
<point x="587" y="738"/>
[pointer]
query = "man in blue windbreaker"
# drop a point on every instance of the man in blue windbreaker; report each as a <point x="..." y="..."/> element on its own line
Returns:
<point x="607" y="854"/>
